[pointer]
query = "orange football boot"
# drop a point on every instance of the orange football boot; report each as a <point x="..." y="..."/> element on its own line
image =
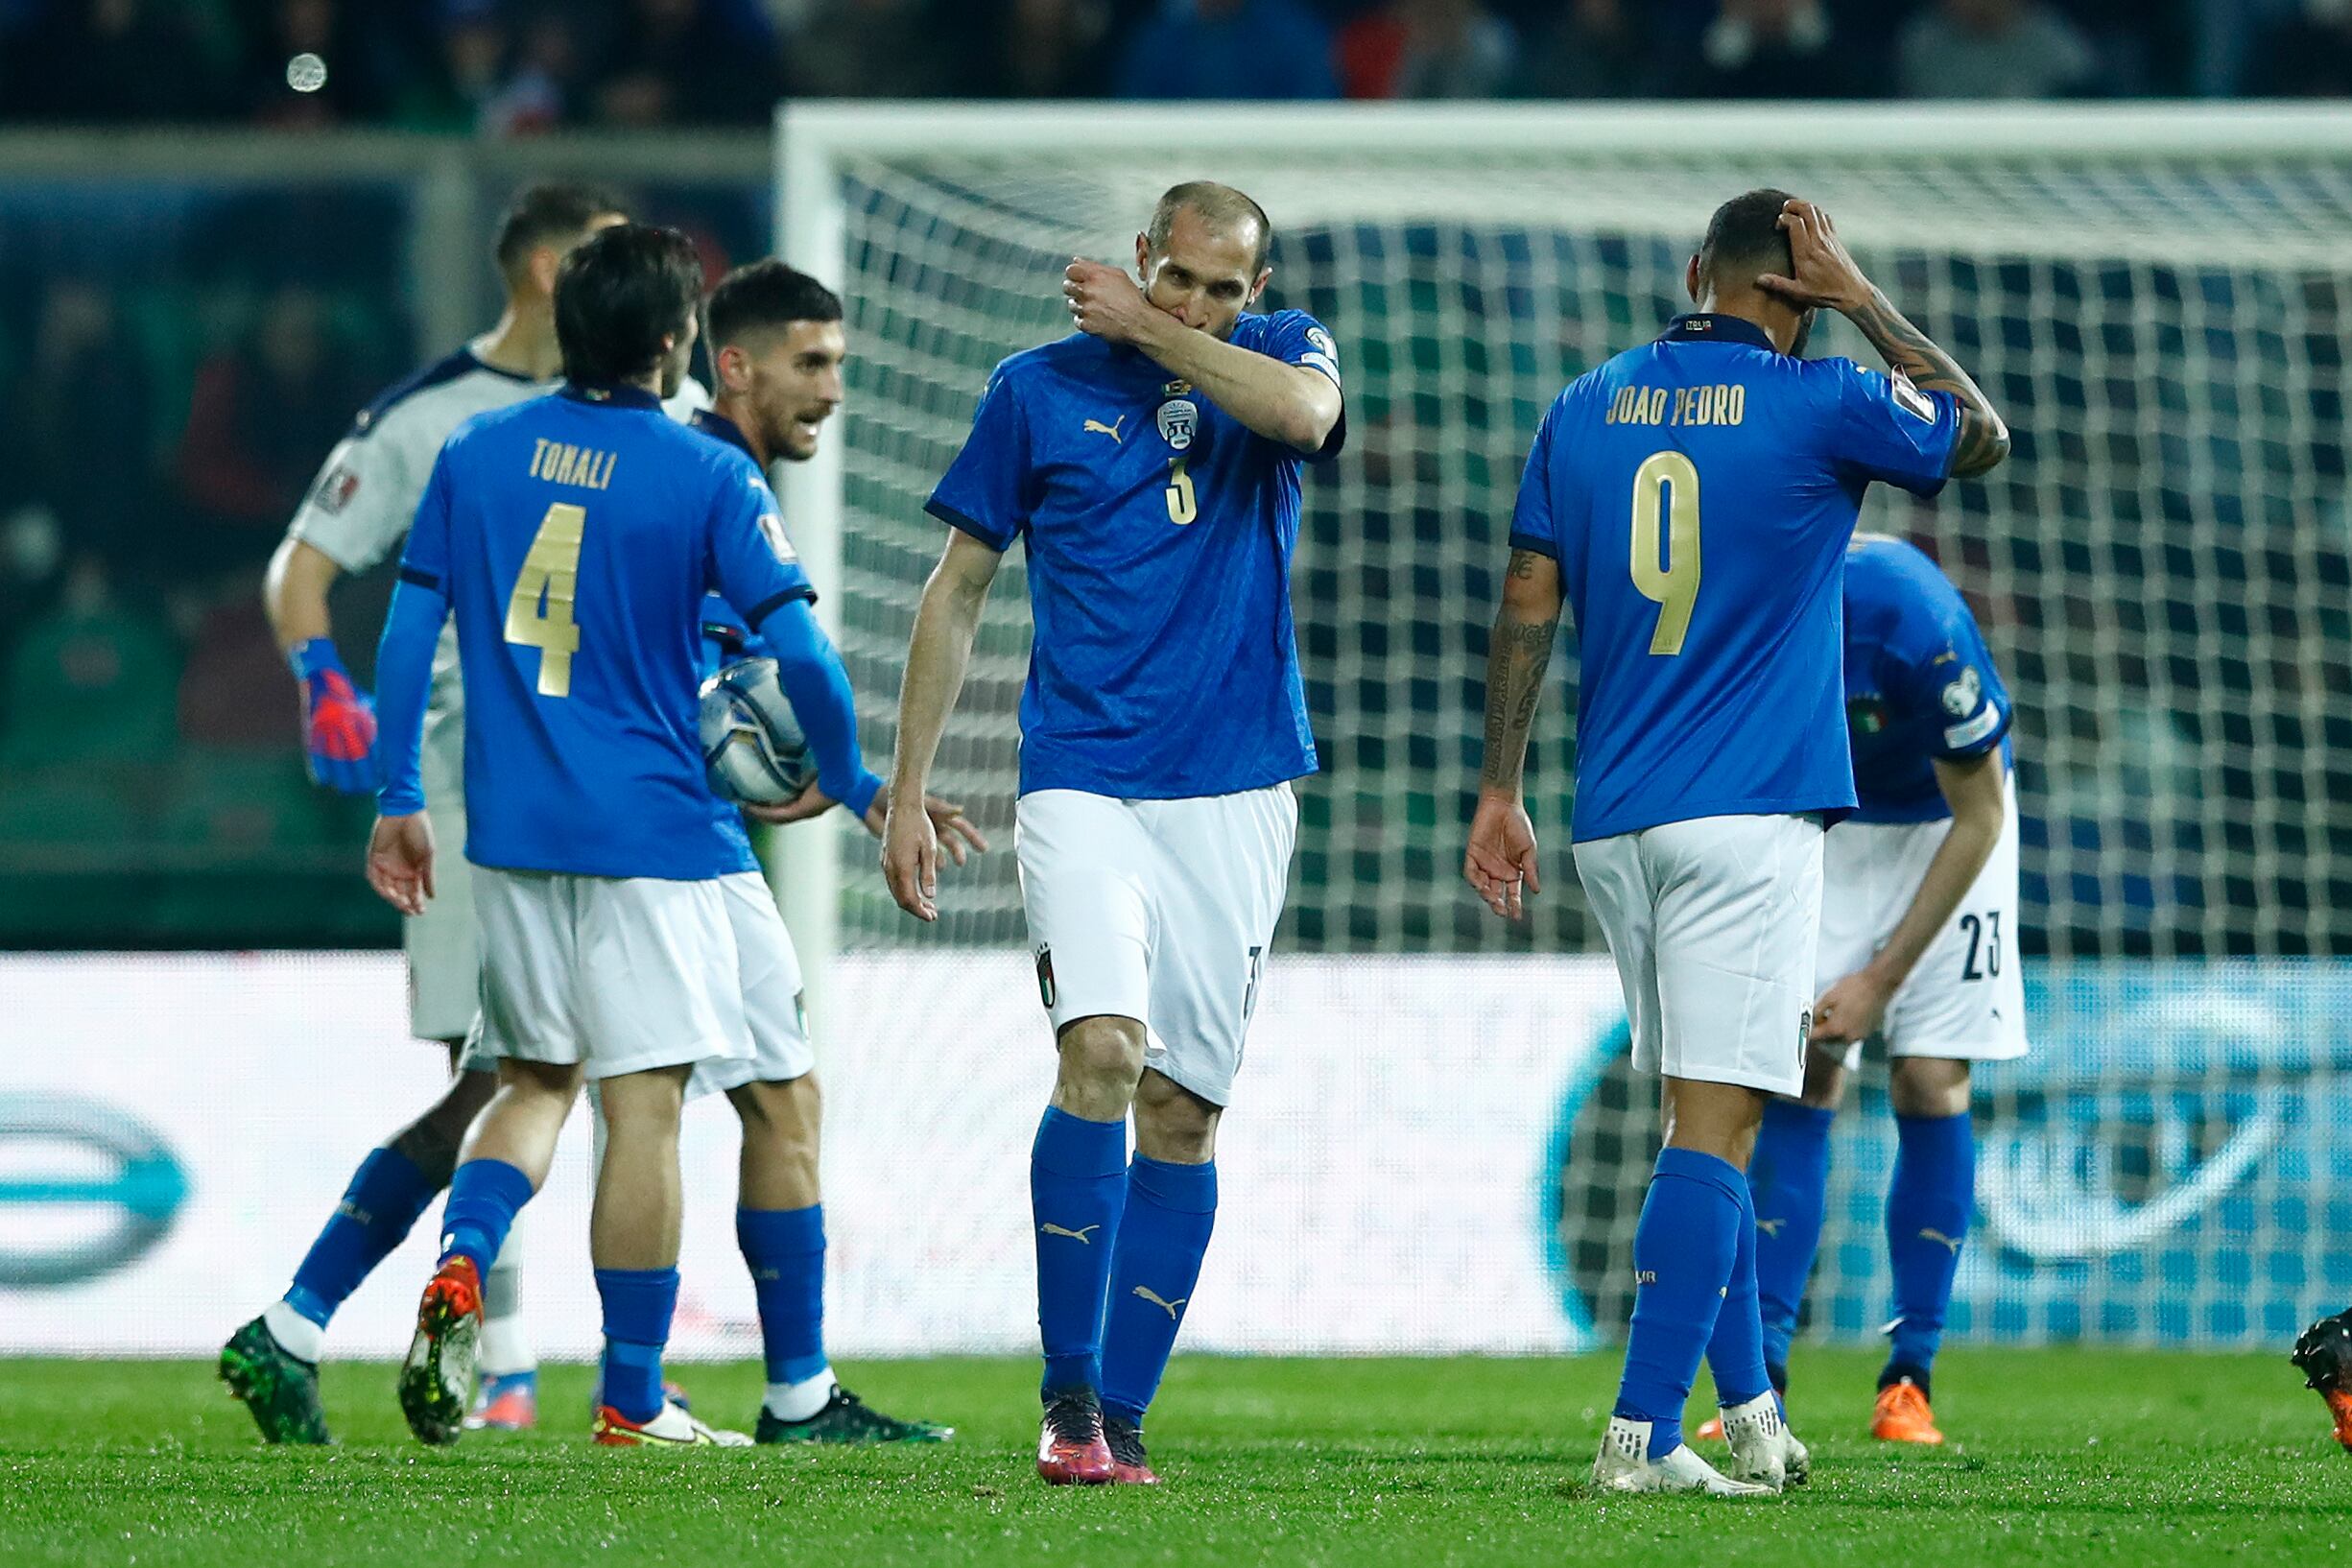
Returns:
<point x="1710" y="1431"/>
<point x="1902" y="1416"/>
<point x="2323" y="1355"/>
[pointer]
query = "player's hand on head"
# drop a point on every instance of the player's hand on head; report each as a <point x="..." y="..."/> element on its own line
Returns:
<point x="400" y="860"/>
<point x="1851" y="1011"/>
<point x="1499" y="863"/>
<point x="1103" y="300"/>
<point x="911" y="861"/>
<point x="1826" y="275"/>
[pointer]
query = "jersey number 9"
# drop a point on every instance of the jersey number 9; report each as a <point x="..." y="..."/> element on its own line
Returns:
<point x="539" y="614"/>
<point x="1667" y="479"/>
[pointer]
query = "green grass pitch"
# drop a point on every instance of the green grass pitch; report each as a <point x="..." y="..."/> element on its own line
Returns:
<point x="2059" y="1457"/>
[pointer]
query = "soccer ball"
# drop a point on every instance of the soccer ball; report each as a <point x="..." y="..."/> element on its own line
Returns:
<point x="751" y="744"/>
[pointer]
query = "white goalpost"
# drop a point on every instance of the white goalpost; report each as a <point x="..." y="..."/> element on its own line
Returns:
<point x="2159" y="297"/>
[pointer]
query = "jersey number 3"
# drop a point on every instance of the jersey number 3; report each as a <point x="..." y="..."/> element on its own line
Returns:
<point x="539" y="615"/>
<point x="1666" y="512"/>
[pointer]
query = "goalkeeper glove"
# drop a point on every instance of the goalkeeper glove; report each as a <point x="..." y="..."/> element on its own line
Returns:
<point x="338" y="721"/>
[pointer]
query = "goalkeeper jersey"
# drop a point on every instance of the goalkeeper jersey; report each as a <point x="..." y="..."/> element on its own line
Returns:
<point x="1698" y="493"/>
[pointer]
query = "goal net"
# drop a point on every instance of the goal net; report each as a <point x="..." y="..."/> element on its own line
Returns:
<point x="2159" y="302"/>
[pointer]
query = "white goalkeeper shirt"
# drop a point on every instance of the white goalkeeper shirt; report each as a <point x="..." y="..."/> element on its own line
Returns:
<point x="360" y="507"/>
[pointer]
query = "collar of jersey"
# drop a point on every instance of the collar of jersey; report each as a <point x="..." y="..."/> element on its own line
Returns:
<point x="609" y="395"/>
<point x="1707" y="327"/>
<point x="712" y="423"/>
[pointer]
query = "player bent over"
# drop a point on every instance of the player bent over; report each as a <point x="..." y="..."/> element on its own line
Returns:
<point x="357" y="510"/>
<point x="1918" y="922"/>
<point x="573" y="537"/>
<point x="1151" y="464"/>
<point x="1691" y="501"/>
<point x="777" y="349"/>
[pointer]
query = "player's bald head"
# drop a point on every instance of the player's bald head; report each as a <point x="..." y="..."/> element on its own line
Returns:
<point x="1222" y="208"/>
<point x="1744" y="241"/>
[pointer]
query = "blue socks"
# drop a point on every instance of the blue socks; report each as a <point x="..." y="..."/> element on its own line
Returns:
<point x="1171" y="1209"/>
<point x="483" y="1198"/>
<point x="786" y="1252"/>
<point x="637" y="1306"/>
<point x="1929" y="1204"/>
<point x="1077" y="1187"/>
<point x="386" y="1195"/>
<point x="1683" y="1254"/>
<point x="1789" y="1183"/>
<point x="1735" y="1355"/>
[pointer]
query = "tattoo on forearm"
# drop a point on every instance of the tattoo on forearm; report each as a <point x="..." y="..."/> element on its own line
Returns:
<point x="1520" y="653"/>
<point x="1982" y="439"/>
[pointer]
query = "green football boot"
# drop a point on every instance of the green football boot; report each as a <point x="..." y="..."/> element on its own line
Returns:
<point x="847" y="1419"/>
<point x="281" y="1391"/>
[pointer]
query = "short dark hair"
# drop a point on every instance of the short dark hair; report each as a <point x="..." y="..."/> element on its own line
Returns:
<point x="1745" y="239"/>
<point x="767" y="294"/>
<point x="619" y="295"/>
<point x="1222" y="206"/>
<point x="542" y="213"/>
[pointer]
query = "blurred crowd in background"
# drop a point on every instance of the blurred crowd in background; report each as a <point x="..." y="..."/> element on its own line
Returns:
<point x="507" y="67"/>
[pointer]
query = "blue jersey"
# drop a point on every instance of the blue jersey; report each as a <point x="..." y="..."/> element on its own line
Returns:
<point x="1159" y="532"/>
<point x="1920" y="684"/>
<point x="1698" y="494"/>
<point x="725" y="637"/>
<point x="575" y="537"/>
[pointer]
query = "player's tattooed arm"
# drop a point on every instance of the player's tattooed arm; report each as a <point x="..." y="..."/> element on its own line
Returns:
<point x="936" y="657"/>
<point x="1828" y="277"/>
<point x="1500" y="862"/>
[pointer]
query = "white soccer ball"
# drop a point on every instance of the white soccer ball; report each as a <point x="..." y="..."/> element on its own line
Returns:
<point x="752" y="744"/>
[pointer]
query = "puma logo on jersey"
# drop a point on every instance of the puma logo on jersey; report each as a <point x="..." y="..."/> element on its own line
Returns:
<point x="1771" y="1227"/>
<point x="1933" y="1235"/>
<point x="1098" y="427"/>
<point x="1083" y="1235"/>
<point x="1157" y="1299"/>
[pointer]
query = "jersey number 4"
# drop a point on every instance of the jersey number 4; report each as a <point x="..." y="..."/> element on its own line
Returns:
<point x="539" y="615"/>
<point x="1666" y="512"/>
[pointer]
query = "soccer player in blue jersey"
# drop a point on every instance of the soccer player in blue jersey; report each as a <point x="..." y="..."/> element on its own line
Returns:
<point x="1691" y="500"/>
<point x="1918" y="922"/>
<point x="627" y="936"/>
<point x="1151" y="466"/>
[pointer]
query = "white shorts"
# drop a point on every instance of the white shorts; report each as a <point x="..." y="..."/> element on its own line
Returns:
<point x="774" y="1013"/>
<point x="1159" y="911"/>
<point x="619" y="975"/>
<point x="1714" y="923"/>
<point x="443" y="945"/>
<point x="1965" y="1001"/>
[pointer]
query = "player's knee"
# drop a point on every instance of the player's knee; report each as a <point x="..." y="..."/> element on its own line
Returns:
<point x="1928" y="1086"/>
<point x="1174" y="1124"/>
<point x="1102" y="1059"/>
<point x="781" y="1117"/>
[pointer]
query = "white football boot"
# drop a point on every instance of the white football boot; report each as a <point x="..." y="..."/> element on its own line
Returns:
<point x="1625" y="1466"/>
<point x="1763" y="1448"/>
<point x="671" y="1428"/>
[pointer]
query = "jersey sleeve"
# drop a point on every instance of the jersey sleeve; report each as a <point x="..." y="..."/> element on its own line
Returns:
<point x="1955" y="680"/>
<point x="362" y="499"/>
<point x="1532" y="525"/>
<point x="1885" y="428"/>
<point x="404" y="656"/>
<point x="986" y="491"/>
<point x="1295" y="338"/>
<point x="751" y="563"/>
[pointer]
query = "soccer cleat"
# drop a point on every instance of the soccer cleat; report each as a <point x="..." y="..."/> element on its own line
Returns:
<point x="1710" y="1430"/>
<point x="1070" y="1448"/>
<point x="1625" y="1466"/>
<point x="848" y="1420"/>
<point x="278" y="1390"/>
<point x="505" y="1402"/>
<point x="1127" y="1465"/>
<point x="1901" y="1415"/>
<point x="1763" y="1448"/>
<point x="2323" y="1355"/>
<point x="670" y="1428"/>
<point x="437" y="1380"/>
